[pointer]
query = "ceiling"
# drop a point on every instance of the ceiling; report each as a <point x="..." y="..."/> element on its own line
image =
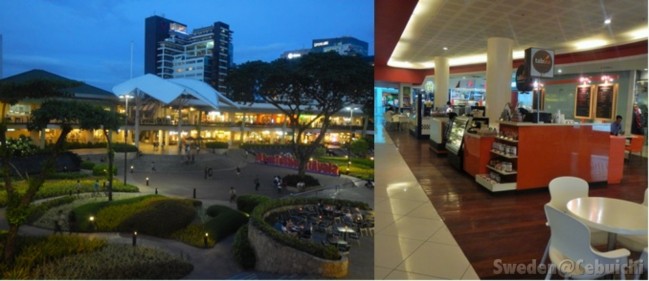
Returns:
<point x="463" y="26"/>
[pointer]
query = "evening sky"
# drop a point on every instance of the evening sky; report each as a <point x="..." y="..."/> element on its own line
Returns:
<point x="90" y="40"/>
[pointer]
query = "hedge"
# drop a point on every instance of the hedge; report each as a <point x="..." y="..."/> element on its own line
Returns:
<point x="216" y="145"/>
<point x="216" y="210"/>
<point x="226" y="222"/>
<point x="292" y="180"/>
<point x="87" y="165"/>
<point x="121" y="148"/>
<point x="38" y="210"/>
<point x="160" y="218"/>
<point x="115" y="262"/>
<point x="326" y="252"/>
<point x="100" y="170"/>
<point x="242" y="250"/>
<point x="110" y="214"/>
<point x="247" y="203"/>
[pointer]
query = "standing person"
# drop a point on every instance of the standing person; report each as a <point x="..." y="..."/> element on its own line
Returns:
<point x="256" y="183"/>
<point x="238" y="170"/>
<point x="78" y="188"/>
<point x="636" y="125"/>
<point x="233" y="194"/>
<point x="95" y="188"/>
<point x="72" y="222"/>
<point x="616" y="127"/>
<point x="58" y="222"/>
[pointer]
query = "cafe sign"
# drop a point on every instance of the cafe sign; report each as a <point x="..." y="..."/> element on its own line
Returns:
<point x="540" y="62"/>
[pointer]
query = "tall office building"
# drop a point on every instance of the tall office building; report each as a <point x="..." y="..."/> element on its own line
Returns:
<point x="1" y="61"/>
<point x="205" y="54"/>
<point x="346" y="46"/>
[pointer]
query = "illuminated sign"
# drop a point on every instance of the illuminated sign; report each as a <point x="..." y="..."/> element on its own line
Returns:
<point x="293" y="55"/>
<point x="320" y="44"/>
<point x="539" y="62"/>
<point x="178" y="27"/>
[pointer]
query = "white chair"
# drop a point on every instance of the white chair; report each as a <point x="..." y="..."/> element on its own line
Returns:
<point x="634" y="243"/>
<point x="562" y="190"/>
<point x="570" y="245"/>
<point x="643" y="260"/>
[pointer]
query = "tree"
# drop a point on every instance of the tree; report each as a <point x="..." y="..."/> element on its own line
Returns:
<point x="18" y="204"/>
<point x="318" y="84"/>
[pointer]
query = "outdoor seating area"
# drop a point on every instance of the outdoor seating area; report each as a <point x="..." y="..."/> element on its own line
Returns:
<point x="326" y="224"/>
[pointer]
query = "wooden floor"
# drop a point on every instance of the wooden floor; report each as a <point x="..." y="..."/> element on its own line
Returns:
<point x="509" y="226"/>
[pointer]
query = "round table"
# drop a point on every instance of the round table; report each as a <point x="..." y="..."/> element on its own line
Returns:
<point x="614" y="216"/>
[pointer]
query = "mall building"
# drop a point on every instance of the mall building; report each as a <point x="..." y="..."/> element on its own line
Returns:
<point x="194" y="111"/>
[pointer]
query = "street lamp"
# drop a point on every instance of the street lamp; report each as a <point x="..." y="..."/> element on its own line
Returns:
<point x="126" y="98"/>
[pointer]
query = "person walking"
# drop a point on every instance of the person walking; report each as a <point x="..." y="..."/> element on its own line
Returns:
<point x="256" y="183"/>
<point x="233" y="194"/>
<point x="238" y="170"/>
<point x="95" y="188"/>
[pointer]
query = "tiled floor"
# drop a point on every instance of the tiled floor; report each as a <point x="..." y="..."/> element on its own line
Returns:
<point x="412" y="241"/>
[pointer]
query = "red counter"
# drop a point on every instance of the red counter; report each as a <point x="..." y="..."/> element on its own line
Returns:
<point x="477" y="150"/>
<point x="547" y="151"/>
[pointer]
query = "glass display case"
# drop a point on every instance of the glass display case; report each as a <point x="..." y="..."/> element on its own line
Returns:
<point x="456" y="135"/>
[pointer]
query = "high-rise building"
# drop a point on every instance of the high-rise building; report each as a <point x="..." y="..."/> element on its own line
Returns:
<point x="205" y="54"/>
<point x="1" y="61"/>
<point x="346" y="46"/>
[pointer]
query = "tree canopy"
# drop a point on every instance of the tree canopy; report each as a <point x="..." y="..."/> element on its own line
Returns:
<point x="317" y="84"/>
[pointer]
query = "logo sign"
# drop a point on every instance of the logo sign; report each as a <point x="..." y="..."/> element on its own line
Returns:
<point x="540" y="62"/>
<point x="320" y="44"/>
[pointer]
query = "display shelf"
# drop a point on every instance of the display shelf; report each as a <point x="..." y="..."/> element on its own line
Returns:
<point x="492" y="185"/>
<point x="501" y="171"/>
<point x="504" y="155"/>
<point x="507" y="140"/>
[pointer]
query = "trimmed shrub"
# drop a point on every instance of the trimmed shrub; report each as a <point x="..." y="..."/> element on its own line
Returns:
<point x="246" y="203"/>
<point x="225" y="223"/>
<point x="216" y="145"/>
<point x="216" y="210"/>
<point x="326" y="252"/>
<point x="243" y="252"/>
<point x="34" y="251"/>
<point x="160" y="218"/>
<point x="101" y="170"/>
<point x="194" y="235"/>
<point x="115" y="262"/>
<point x="121" y="148"/>
<point x="109" y="214"/>
<point x="87" y="165"/>
<point x="38" y="210"/>
<point x="292" y="180"/>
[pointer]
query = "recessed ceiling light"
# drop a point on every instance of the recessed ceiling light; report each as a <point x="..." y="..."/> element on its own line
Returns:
<point x="590" y="44"/>
<point x="607" y="21"/>
<point x="559" y="71"/>
<point x="445" y="48"/>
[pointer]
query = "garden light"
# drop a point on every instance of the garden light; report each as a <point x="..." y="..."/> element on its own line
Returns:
<point x="134" y="238"/>
<point x="205" y="239"/>
<point x="147" y="181"/>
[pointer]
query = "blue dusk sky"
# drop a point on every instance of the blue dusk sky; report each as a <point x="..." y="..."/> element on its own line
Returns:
<point x="90" y="40"/>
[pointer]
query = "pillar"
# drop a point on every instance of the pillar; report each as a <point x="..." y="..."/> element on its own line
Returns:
<point x="499" y="75"/>
<point x="442" y="71"/>
<point x="630" y="99"/>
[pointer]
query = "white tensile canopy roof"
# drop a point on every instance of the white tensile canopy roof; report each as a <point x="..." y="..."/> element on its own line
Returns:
<point x="171" y="91"/>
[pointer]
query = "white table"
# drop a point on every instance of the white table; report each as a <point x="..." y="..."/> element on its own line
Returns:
<point x="344" y="230"/>
<point x="612" y="215"/>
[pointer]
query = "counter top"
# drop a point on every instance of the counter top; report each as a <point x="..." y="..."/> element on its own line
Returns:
<point x="474" y="135"/>
<point x="523" y="124"/>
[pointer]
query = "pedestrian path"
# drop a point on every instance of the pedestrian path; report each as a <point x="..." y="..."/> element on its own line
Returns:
<point x="170" y="180"/>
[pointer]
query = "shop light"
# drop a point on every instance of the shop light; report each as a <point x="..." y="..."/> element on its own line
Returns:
<point x="590" y="44"/>
<point x="445" y="48"/>
<point x="607" y="21"/>
<point x="639" y="33"/>
<point x="559" y="70"/>
<point x="584" y="80"/>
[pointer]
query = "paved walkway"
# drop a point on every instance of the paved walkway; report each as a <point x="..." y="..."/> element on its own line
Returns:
<point x="172" y="177"/>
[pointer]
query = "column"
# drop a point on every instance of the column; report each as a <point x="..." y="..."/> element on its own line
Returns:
<point x="442" y="71"/>
<point x="630" y="99"/>
<point x="499" y="75"/>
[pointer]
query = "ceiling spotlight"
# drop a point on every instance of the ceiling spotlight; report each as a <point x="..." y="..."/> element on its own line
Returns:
<point x="445" y="48"/>
<point x="559" y="71"/>
<point x="607" y="21"/>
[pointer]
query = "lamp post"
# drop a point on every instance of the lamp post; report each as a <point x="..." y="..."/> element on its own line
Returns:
<point x="126" y="97"/>
<point x="351" y="134"/>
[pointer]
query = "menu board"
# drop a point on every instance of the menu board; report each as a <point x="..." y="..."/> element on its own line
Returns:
<point x="584" y="102"/>
<point x="605" y="101"/>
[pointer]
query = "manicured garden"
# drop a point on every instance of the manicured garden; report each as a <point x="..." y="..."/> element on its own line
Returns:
<point x="361" y="168"/>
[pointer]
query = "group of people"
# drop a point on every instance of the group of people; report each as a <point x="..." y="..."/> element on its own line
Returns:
<point x="637" y="123"/>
